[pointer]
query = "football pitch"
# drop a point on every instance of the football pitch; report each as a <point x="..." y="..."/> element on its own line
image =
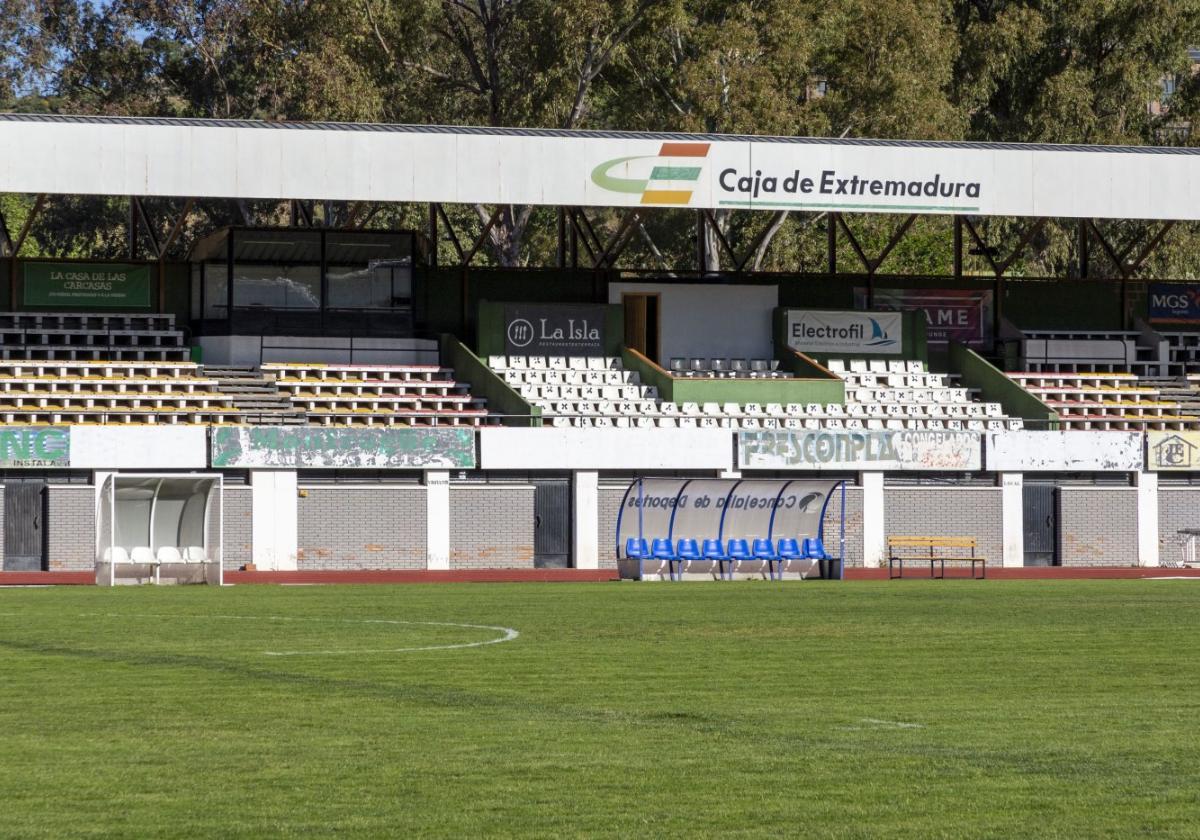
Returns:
<point x="910" y="709"/>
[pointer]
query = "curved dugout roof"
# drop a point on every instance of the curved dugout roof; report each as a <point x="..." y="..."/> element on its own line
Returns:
<point x="396" y="163"/>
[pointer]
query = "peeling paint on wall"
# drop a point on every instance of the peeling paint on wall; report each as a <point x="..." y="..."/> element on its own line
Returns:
<point x="342" y="448"/>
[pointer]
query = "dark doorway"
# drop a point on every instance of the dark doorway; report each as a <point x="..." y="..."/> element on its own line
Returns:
<point x="552" y="523"/>
<point x="642" y="323"/>
<point x="25" y="526"/>
<point x="1041" y="524"/>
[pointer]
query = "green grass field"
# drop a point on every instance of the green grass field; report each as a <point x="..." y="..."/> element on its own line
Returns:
<point x="911" y="709"/>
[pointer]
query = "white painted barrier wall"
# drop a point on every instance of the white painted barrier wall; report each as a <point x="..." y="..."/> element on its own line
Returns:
<point x="503" y="448"/>
<point x="139" y="447"/>
<point x="1046" y="451"/>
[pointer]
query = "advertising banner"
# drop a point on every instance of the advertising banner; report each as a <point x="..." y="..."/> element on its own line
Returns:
<point x="1179" y="451"/>
<point x="962" y="315"/>
<point x="532" y="329"/>
<point x="87" y="285"/>
<point x="1174" y="303"/>
<point x="1049" y="451"/>
<point x="835" y="449"/>
<point x="478" y="165"/>
<point x="293" y="447"/>
<point x="35" y="447"/>
<point x="846" y="332"/>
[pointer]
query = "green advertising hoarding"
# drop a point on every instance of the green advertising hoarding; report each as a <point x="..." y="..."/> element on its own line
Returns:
<point x="292" y="447"/>
<point x="87" y="285"/>
<point x="26" y="447"/>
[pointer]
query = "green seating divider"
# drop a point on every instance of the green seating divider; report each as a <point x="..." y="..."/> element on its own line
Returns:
<point x="812" y="383"/>
<point x="486" y="383"/>
<point x="977" y="372"/>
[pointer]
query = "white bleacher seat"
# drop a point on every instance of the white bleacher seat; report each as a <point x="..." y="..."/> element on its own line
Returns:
<point x="195" y="554"/>
<point x="168" y="554"/>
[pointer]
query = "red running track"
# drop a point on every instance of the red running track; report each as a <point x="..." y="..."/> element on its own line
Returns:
<point x="584" y="575"/>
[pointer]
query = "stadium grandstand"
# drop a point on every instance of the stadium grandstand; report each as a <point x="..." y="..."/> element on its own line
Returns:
<point x="299" y="397"/>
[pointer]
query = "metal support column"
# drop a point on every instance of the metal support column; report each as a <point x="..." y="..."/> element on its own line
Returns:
<point x="958" y="248"/>
<point x="831" y="223"/>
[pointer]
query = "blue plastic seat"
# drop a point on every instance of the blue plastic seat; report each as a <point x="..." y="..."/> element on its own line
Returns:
<point x="763" y="550"/>
<point x="736" y="551"/>
<point x="636" y="549"/>
<point x="789" y="549"/>
<point x="815" y="550"/>
<point x="713" y="550"/>
<point x="687" y="551"/>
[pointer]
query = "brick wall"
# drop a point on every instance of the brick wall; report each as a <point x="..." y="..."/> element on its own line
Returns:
<point x="1098" y="527"/>
<point x="491" y="526"/>
<point x="237" y="526"/>
<point x="606" y="535"/>
<point x="1178" y="507"/>
<point x="362" y="528"/>
<point x="947" y="512"/>
<point x="71" y="528"/>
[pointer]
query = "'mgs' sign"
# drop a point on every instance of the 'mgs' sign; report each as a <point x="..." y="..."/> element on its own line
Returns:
<point x="1174" y="303"/>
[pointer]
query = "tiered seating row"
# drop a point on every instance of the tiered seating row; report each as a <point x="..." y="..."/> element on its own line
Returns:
<point x="600" y="393"/>
<point x="728" y="368"/>
<point x="387" y="395"/>
<point x="40" y="392"/>
<point x="118" y="337"/>
<point x="1109" y="401"/>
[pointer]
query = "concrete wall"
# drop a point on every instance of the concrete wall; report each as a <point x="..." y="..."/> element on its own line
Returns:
<point x="491" y="526"/>
<point x="1178" y="507"/>
<point x="237" y="525"/>
<point x="710" y="320"/>
<point x="1098" y="526"/>
<point x="362" y="528"/>
<point x="947" y="512"/>
<point x="71" y="527"/>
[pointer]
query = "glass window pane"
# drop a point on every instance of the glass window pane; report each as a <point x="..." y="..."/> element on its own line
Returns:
<point x="216" y="290"/>
<point x="381" y="285"/>
<point x="277" y="286"/>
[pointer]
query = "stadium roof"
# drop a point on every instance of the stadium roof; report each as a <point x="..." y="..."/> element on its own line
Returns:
<point x="401" y="163"/>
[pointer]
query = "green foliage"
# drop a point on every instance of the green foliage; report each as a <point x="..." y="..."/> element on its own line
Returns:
<point x="908" y="710"/>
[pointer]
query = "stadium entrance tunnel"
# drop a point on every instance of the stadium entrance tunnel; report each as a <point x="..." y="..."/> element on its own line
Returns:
<point x="152" y="528"/>
<point x="726" y="528"/>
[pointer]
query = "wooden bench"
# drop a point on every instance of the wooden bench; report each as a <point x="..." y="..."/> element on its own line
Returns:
<point x="937" y="550"/>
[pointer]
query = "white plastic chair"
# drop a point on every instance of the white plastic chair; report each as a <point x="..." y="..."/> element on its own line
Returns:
<point x="143" y="556"/>
<point x="195" y="554"/>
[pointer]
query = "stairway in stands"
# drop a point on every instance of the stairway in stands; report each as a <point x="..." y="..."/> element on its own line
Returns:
<point x="1177" y="389"/>
<point x="255" y="394"/>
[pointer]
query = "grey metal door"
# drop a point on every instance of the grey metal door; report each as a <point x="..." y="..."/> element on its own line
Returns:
<point x="552" y="523"/>
<point x="1041" y="524"/>
<point x="25" y="526"/>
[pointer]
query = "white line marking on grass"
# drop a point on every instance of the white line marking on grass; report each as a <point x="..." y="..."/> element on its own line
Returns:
<point x="507" y="633"/>
<point x="891" y="724"/>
